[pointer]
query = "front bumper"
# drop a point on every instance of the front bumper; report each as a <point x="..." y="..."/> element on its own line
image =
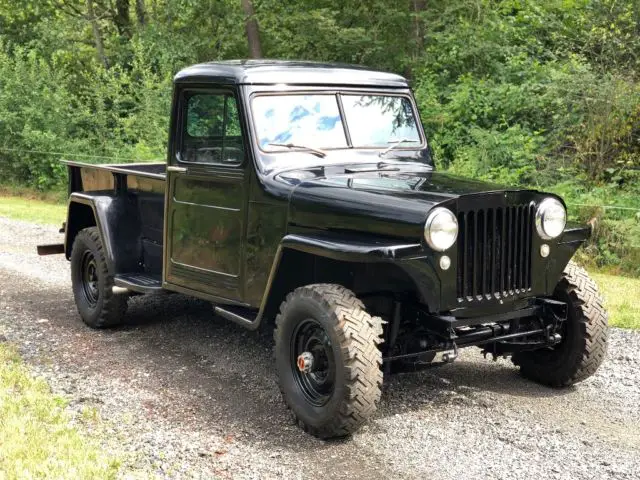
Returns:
<point x="502" y="332"/>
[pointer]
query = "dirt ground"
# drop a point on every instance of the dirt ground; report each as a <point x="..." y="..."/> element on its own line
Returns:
<point x="187" y="395"/>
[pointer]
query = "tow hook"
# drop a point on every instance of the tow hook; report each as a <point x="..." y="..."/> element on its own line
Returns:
<point x="305" y="362"/>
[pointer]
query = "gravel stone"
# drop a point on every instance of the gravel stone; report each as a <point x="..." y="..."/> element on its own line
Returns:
<point x="183" y="394"/>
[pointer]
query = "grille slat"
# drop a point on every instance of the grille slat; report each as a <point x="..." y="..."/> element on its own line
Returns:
<point x="494" y="252"/>
<point x="529" y="239"/>
<point x="518" y="247"/>
<point x="474" y="244"/>
<point x="485" y="241"/>
<point x="510" y="242"/>
<point x="503" y="217"/>
<point x="491" y="226"/>
<point x="462" y="256"/>
<point x="523" y="243"/>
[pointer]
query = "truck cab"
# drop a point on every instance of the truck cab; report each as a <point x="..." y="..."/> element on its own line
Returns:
<point x="303" y="197"/>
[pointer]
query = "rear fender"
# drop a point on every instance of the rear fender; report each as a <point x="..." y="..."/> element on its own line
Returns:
<point x="118" y="222"/>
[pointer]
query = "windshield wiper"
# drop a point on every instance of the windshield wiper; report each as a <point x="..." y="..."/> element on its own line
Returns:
<point x="396" y="144"/>
<point x="380" y="167"/>
<point x="314" y="151"/>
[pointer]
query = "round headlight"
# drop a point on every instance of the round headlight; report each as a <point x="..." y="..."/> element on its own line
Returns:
<point x="441" y="229"/>
<point x="551" y="218"/>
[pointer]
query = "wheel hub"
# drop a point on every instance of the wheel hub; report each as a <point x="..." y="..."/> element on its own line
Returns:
<point x="305" y="362"/>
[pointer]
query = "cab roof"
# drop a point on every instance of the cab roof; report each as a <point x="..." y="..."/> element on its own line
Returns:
<point x="271" y="72"/>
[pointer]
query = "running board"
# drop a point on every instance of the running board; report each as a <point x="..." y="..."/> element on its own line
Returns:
<point x="137" y="282"/>
<point x="239" y="315"/>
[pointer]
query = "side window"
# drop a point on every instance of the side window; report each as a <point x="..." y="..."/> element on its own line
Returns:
<point x="211" y="131"/>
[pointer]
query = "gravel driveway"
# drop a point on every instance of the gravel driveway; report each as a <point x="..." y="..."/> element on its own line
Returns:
<point x="185" y="394"/>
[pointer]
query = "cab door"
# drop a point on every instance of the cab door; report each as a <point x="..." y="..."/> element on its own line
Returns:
<point x="206" y="196"/>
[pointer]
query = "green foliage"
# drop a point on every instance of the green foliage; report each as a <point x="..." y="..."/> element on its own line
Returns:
<point x="518" y="92"/>
<point x="615" y="240"/>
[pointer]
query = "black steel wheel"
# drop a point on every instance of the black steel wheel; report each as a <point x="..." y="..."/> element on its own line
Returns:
<point x="327" y="359"/>
<point x="584" y="335"/>
<point x="317" y="381"/>
<point x="92" y="282"/>
<point x="90" y="278"/>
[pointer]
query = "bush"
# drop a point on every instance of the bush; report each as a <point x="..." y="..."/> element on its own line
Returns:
<point x="615" y="241"/>
<point x="534" y="94"/>
<point x="115" y="115"/>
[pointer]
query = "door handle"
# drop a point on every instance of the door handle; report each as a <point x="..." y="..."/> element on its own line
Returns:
<point x="173" y="168"/>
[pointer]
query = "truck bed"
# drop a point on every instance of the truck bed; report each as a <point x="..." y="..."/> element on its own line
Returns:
<point x="148" y="170"/>
<point x="138" y="189"/>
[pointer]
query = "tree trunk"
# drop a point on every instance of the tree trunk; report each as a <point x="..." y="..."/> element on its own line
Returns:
<point x="97" y="36"/>
<point x="253" y="33"/>
<point x="141" y="12"/>
<point x="418" y="8"/>
<point x="121" y="18"/>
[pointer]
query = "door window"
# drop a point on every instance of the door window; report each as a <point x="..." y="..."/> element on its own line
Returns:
<point x="211" y="129"/>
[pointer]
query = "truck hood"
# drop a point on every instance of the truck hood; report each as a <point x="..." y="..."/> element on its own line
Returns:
<point x="390" y="203"/>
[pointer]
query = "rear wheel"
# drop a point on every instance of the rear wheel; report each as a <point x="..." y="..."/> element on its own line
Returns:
<point x="327" y="359"/>
<point x="92" y="283"/>
<point x="584" y="335"/>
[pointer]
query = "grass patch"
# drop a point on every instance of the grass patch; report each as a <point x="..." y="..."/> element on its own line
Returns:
<point x="37" y="438"/>
<point x="622" y="296"/>
<point x="30" y="206"/>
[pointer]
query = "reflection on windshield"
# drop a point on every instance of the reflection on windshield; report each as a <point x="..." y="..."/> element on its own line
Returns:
<point x="315" y="121"/>
<point x="309" y="120"/>
<point x="378" y="120"/>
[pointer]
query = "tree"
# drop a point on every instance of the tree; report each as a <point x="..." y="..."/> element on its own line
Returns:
<point x="121" y="18"/>
<point x="141" y="12"/>
<point x="251" y="26"/>
<point x="97" y="35"/>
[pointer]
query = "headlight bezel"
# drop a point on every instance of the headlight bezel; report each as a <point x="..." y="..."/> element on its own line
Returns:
<point x="433" y="215"/>
<point x="542" y="210"/>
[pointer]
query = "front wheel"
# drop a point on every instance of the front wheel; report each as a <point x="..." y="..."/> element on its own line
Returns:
<point x="584" y="335"/>
<point x="327" y="359"/>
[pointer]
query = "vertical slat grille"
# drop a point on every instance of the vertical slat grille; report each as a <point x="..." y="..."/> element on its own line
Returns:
<point x="494" y="252"/>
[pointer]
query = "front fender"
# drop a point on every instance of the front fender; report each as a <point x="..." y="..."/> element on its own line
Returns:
<point x="352" y="248"/>
<point x="573" y="237"/>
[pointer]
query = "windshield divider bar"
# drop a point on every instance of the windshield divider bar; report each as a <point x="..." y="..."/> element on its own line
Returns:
<point x="344" y="120"/>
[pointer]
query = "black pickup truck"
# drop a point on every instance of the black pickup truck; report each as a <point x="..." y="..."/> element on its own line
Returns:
<point x="302" y="197"/>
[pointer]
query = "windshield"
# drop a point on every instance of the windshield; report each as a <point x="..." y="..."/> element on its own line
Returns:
<point x="314" y="120"/>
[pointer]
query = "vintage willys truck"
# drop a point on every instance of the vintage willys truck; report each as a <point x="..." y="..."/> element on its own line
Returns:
<point x="303" y="197"/>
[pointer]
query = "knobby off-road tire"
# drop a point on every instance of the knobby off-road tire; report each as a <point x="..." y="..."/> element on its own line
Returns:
<point x="352" y="339"/>
<point x="585" y="335"/>
<point x="92" y="283"/>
